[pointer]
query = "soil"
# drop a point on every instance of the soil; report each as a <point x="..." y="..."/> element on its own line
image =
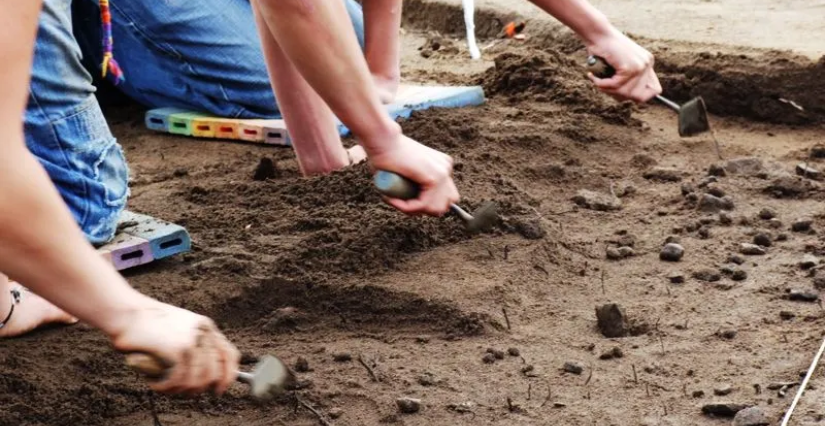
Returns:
<point x="322" y="274"/>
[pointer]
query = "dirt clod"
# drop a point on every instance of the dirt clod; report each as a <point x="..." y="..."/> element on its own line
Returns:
<point x="513" y="352"/>
<point x="713" y="204"/>
<point x="612" y="321"/>
<point x="342" y="357"/>
<point x="530" y="229"/>
<point x="573" y="367"/>
<point x="727" y="333"/>
<point x="302" y="365"/>
<point x="597" y="201"/>
<point x="615" y="352"/>
<point x="722" y="409"/>
<point x="497" y="353"/>
<point x="265" y="170"/>
<point x="707" y="275"/>
<point x="488" y="358"/>
<point x="736" y="259"/>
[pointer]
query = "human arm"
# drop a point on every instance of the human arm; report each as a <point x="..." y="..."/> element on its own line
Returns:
<point x="42" y="247"/>
<point x="315" y="36"/>
<point x="635" y="78"/>
<point x="382" y="22"/>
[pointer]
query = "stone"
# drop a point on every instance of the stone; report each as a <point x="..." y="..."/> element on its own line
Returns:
<point x="342" y="357"/>
<point x="427" y="379"/>
<point x="717" y="170"/>
<point x="752" y="416"/>
<point x="613" y="253"/>
<point x="698" y="394"/>
<point x="514" y="352"/>
<point x="767" y="213"/>
<point x="781" y="237"/>
<point x="775" y="223"/>
<point x="687" y="188"/>
<point x="302" y="365"/>
<point x="739" y="275"/>
<point x="722" y="409"/>
<point x="664" y="174"/>
<point x="818" y="151"/>
<point x="707" y="275"/>
<point x="763" y="239"/>
<point x="808" y="261"/>
<point x="408" y="405"/>
<point x="712" y="204"/>
<point x="573" y="367"/>
<point x="807" y="171"/>
<point x="612" y="320"/>
<point x="803" y="295"/>
<point x="626" y="240"/>
<point x="676" y="277"/>
<point x="723" y="390"/>
<point x="725" y="219"/>
<point x="673" y="239"/>
<point x="616" y="352"/>
<point x="488" y="358"/>
<point x="335" y="412"/>
<point x="787" y="315"/>
<point x="752" y="249"/>
<point x="737" y="259"/>
<point x="597" y="201"/>
<point x="626" y="252"/>
<point x="672" y="252"/>
<point x="715" y="190"/>
<point x="499" y="354"/>
<point x="727" y="333"/>
<point x="802" y="225"/>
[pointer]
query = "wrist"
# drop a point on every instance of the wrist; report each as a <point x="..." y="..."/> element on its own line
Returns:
<point x="596" y="29"/>
<point x="121" y="313"/>
<point x="384" y="137"/>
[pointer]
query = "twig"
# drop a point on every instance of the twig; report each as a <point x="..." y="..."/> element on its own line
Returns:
<point x="529" y="391"/>
<point x="662" y="343"/>
<point x="506" y="252"/>
<point x="603" y="292"/>
<point x="647" y="390"/>
<point x="589" y="376"/>
<point x="684" y="389"/>
<point x="635" y="378"/>
<point x="549" y="396"/>
<point x="802" y="387"/>
<point x="154" y="411"/>
<point x="318" y="414"/>
<point x="369" y="369"/>
<point x="506" y="318"/>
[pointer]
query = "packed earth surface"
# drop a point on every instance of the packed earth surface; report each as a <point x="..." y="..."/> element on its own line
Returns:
<point x="634" y="278"/>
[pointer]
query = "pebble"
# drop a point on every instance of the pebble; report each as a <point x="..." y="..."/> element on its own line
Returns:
<point x="722" y="409"/>
<point x="723" y="390"/>
<point x="574" y="367"/>
<point x="426" y="379"/>
<point x="717" y="170"/>
<point x="818" y="151"/>
<point x="488" y="358"/>
<point x="808" y="261"/>
<point x="707" y="275"/>
<point x="775" y="223"/>
<point x="725" y="219"/>
<point x="716" y="191"/>
<point x="803" y="295"/>
<point x="408" y="405"/>
<point x="499" y="354"/>
<point x="612" y="320"/>
<point x="698" y="394"/>
<point x="802" y="225"/>
<point x="672" y="252"/>
<point x="613" y="253"/>
<point x="627" y="252"/>
<point x="737" y="259"/>
<point x="704" y="232"/>
<point x="752" y="416"/>
<point x="807" y="171"/>
<point x="342" y="357"/>
<point x="687" y="188"/>
<point x="335" y="412"/>
<point x="739" y="275"/>
<point x="763" y="239"/>
<point x="712" y="204"/>
<point x="664" y="174"/>
<point x="673" y="239"/>
<point x="786" y="315"/>
<point x="767" y="213"/>
<point x="782" y="237"/>
<point x="727" y="333"/>
<point x="513" y="352"/>
<point x="751" y="249"/>
<point x="597" y="201"/>
<point x="616" y="352"/>
<point x="676" y="277"/>
<point x="302" y="365"/>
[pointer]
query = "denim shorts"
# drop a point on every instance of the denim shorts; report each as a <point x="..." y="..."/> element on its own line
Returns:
<point x="202" y="55"/>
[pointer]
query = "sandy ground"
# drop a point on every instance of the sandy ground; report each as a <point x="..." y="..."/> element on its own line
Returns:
<point x="317" y="268"/>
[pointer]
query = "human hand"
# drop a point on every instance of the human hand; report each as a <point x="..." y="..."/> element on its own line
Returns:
<point x="430" y="169"/>
<point x="635" y="78"/>
<point x="199" y="357"/>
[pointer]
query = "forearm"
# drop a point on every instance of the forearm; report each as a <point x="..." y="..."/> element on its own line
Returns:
<point x="42" y="247"/>
<point x="580" y="16"/>
<point x="382" y="21"/>
<point x="322" y="46"/>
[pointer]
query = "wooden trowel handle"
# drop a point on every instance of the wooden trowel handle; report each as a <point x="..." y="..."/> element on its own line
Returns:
<point x="147" y="365"/>
<point x="599" y="67"/>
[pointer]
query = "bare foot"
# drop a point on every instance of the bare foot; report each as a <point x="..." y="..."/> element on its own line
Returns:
<point x="387" y="88"/>
<point x="31" y="313"/>
<point x="356" y="155"/>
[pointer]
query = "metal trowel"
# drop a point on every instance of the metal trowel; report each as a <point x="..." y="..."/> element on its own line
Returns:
<point x="693" y="115"/>
<point x="269" y="378"/>
<point x="396" y="186"/>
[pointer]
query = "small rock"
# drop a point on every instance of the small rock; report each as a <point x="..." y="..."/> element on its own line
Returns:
<point x="712" y="204"/>
<point x="723" y="390"/>
<point x="672" y="252"/>
<point x="488" y="358"/>
<point x="302" y="365"/>
<point x="180" y="172"/>
<point x="767" y="214"/>
<point x="704" y="232"/>
<point x="687" y="188"/>
<point x="335" y="412"/>
<point x="625" y="189"/>
<point x="802" y="225"/>
<point x="725" y="219"/>
<point x="807" y="171"/>
<point x="616" y="352"/>
<point x="753" y="416"/>
<point x="597" y="201"/>
<point x="751" y="249"/>
<point x="763" y="239"/>
<point x="613" y="253"/>
<point x="426" y="379"/>
<point x="739" y="275"/>
<point x="698" y="394"/>
<point x="626" y="240"/>
<point x="530" y="229"/>
<point x="612" y="320"/>
<point x="737" y="259"/>
<point x="692" y="198"/>
<point x="626" y="252"/>
<point x="818" y="151"/>
<point x="513" y="352"/>
<point x="775" y="223"/>
<point x="573" y="367"/>
<point x="664" y="174"/>
<point x="342" y="357"/>
<point x="717" y="170"/>
<point x="408" y="405"/>
<point x="781" y="237"/>
<point x="716" y="191"/>
<point x="723" y="409"/>
<point x="803" y="295"/>
<point x="673" y="239"/>
<point x="528" y="370"/>
<point x="786" y="315"/>
<point x="728" y="334"/>
<point x="464" y="407"/>
<point x="707" y="275"/>
<point x="499" y="354"/>
<point x="676" y="277"/>
<point x="791" y="186"/>
<point x="808" y="261"/>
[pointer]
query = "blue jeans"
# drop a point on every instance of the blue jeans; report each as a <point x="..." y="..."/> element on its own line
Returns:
<point x="202" y="55"/>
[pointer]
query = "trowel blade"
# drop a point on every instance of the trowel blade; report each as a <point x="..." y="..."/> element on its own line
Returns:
<point x="484" y="218"/>
<point x="693" y="118"/>
<point x="270" y="378"/>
